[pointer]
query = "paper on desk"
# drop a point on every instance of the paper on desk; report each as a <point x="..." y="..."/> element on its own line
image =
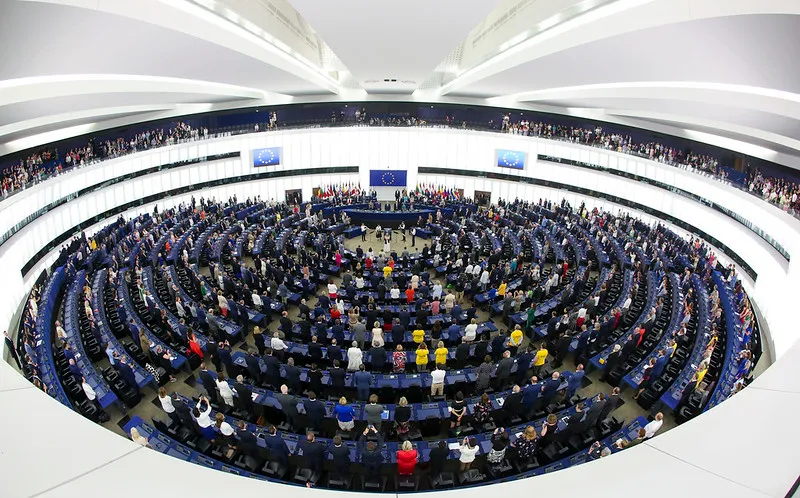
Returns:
<point x="500" y="401"/>
<point x="454" y="446"/>
<point x="254" y="396"/>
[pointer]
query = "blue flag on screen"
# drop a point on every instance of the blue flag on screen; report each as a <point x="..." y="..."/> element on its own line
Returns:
<point x="271" y="156"/>
<point x="387" y="177"/>
<point x="511" y="158"/>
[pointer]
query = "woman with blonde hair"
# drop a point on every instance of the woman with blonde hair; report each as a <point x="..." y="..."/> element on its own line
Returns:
<point x="402" y="416"/>
<point x="377" y="335"/>
<point x="166" y="404"/>
<point x="345" y="415"/>
<point x="406" y="459"/>
<point x="526" y="444"/>
<point x="138" y="438"/>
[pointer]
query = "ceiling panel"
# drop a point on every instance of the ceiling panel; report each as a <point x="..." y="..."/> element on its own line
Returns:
<point x="102" y="43"/>
<point x="760" y="50"/>
<point x="23" y="111"/>
<point x="396" y="40"/>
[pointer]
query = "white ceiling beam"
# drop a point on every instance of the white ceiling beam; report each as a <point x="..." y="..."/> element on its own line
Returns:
<point x="623" y="16"/>
<point x="41" y="87"/>
<point x="188" y="18"/>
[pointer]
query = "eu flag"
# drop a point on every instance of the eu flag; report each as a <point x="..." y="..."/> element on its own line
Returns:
<point x="387" y="178"/>
<point x="511" y="159"/>
<point x="271" y="156"/>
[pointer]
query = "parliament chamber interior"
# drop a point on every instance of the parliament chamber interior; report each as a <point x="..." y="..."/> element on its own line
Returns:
<point x="361" y="247"/>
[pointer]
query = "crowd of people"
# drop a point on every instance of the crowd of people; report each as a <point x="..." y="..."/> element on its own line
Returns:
<point x="387" y="312"/>
<point x="43" y="164"/>
<point x="780" y="191"/>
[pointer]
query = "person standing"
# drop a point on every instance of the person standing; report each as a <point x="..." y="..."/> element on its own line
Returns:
<point x="374" y="412"/>
<point x="12" y="349"/>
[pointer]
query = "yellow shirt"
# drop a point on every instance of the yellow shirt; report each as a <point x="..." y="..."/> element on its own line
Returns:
<point x="418" y="335"/>
<point x="541" y="357"/>
<point x="422" y="357"/>
<point x="516" y="339"/>
<point x="387" y="270"/>
<point x="700" y="375"/>
<point x="501" y="291"/>
<point x="441" y="356"/>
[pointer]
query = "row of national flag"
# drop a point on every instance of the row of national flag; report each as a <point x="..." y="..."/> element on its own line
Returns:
<point x="332" y="190"/>
<point x="436" y="190"/>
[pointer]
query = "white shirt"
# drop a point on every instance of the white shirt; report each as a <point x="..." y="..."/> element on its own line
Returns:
<point x="470" y="331"/>
<point x="437" y="290"/>
<point x="203" y="420"/>
<point x="224" y="389"/>
<point x="166" y="404"/>
<point x="226" y="429"/>
<point x="277" y="344"/>
<point x="651" y="428"/>
<point x="353" y="358"/>
<point x="437" y="376"/>
<point x="90" y="394"/>
<point x="467" y="453"/>
<point x="394" y="293"/>
<point x="332" y="289"/>
<point x="484" y="277"/>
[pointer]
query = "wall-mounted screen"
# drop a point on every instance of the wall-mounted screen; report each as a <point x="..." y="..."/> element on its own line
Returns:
<point x="270" y="156"/>
<point x="388" y="178"/>
<point x="511" y="158"/>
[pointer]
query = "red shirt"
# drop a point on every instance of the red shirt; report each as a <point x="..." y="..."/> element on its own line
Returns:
<point x="409" y="295"/>
<point x="406" y="461"/>
<point x="335" y="313"/>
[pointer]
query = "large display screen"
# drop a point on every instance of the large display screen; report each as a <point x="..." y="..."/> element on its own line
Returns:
<point x="511" y="158"/>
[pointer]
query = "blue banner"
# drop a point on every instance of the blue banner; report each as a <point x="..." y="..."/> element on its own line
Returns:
<point x="387" y="177"/>
<point x="271" y="156"/>
<point x="511" y="158"/>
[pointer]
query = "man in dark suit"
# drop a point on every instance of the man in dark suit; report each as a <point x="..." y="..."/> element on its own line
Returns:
<point x="278" y="450"/>
<point x="362" y="381"/>
<point x="398" y="332"/>
<point x="462" y="354"/>
<point x="224" y="352"/>
<point x="611" y="363"/>
<point x="338" y="376"/>
<point x="273" y="365"/>
<point x="253" y="367"/>
<point x="438" y="457"/>
<point x="575" y="423"/>
<point x="612" y="403"/>
<point x="371" y="456"/>
<point x="315" y="411"/>
<point x="512" y="406"/>
<point x="550" y="389"/>
<point x="377" y="358"/>
<point x="245" y="395"/>
<point x="314" y="452"/>
<point x="503" y="372"/>
<point x="341" y="456"/>
<point x="247" y="443"/>
<point x="524" y="361"/>
<point x="288" y="405"/>
<point x="314" y="350"/>
<point x="593" y="415"/>
<point x="209" y="384"/>
<point x="333" y="351"/>
<point x="213" y="355"/>
<point x="293" y="377"/>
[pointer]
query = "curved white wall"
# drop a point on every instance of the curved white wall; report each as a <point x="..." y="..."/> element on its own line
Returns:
<point x="94" y="457"/>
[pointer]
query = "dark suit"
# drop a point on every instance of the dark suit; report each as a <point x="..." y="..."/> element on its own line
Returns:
<point x="278" y="450"/>
<point x="334" y="353"/>
<point x="247" y="443"/>
<point x="337" y="377"/>
<point x="315" y="411"/>
<point x="245" y="396"/>
<point x="341" y="458"/>
<point x="289" y="407"/>
<point x="273" y="370"/>
<point x="293" y="378"/>
<point x="253" y="368"/>
<point x="314" y="452"/>
<point x="209" y="384"/>
<point x="593" y="415"/>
